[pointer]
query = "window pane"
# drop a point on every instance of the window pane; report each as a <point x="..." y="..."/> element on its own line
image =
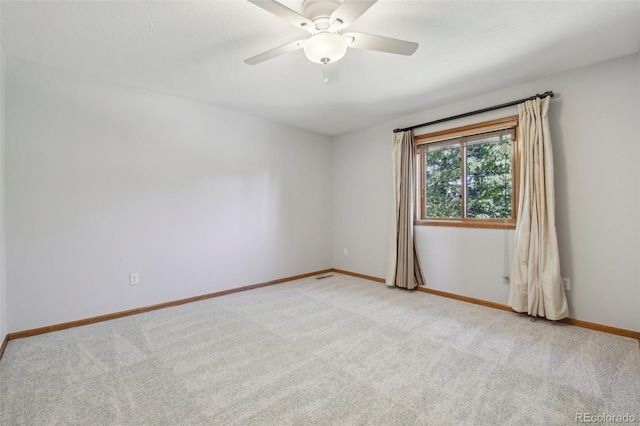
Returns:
<point x="488" y="168"/>
<point x="443" y="182"/>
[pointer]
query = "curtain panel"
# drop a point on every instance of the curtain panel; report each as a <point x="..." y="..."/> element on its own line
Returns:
<point x="403" y="269"/>
<point x="536" y="284"/>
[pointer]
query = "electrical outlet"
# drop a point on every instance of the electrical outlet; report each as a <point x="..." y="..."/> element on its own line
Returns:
<point x="566" y="283"/>
<point x="133" y="279"/>
<point x="346" y="252"/>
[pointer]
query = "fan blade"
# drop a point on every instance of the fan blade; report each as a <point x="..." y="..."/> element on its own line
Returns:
<point x="349" y="11"/>
<point x="283" y="12"/>
<point x="381" y="44"/>
<point x="270" y="54"/>
<point x="330" y="72"/>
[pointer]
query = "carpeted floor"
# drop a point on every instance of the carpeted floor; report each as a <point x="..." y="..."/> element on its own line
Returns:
<point x="341" y="351"/>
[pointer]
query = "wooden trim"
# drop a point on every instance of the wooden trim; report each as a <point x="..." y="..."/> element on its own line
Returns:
<point x="469" y="223"/>
<point x="465" y="299"/>
<point x="4" y="346"/>
<point x="603" y="328"/>
<point x="115" y="315"/>
<point x="469" y="130"/>
<point x="354" y="274"/>
<point x="570" y="321"/>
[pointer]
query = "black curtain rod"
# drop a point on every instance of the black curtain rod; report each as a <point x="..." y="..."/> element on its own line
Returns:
<point x="467" y="114"/>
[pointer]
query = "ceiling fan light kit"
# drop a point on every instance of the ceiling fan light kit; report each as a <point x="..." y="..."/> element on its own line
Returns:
<point x="324" y="48"/>
<point x="324" y="20"/>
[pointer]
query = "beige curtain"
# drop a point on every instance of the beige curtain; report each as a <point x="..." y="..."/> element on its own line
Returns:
<point x="536" y="284"/>
<point x="403" y="269"/>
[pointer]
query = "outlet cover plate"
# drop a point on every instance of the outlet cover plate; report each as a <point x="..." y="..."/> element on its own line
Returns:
<point x="134" y="279"/>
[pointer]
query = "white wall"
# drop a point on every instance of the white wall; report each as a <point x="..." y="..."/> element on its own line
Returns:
<point x="104" y="180"/>
<point x="3" y="283"/>
<point x="595" y="131"/>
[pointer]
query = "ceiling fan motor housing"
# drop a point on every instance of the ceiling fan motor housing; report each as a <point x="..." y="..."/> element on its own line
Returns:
<point x="319" y="11"/>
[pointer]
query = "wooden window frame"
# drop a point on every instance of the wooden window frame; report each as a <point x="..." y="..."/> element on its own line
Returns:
<point x="460" y="132"/>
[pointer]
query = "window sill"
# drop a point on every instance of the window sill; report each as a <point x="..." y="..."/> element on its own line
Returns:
<point x="490" y="224"/>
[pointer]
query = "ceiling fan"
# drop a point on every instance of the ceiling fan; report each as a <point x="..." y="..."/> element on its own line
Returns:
<point x="325" y="20"/>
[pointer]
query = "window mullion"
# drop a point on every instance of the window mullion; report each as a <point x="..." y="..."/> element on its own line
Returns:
<point x="463" y="189"/>
<point x="420" y="169"/>
<point x="515" y="174"/>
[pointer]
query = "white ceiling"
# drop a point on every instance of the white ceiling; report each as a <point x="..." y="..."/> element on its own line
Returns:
<point x="196" y="50"/>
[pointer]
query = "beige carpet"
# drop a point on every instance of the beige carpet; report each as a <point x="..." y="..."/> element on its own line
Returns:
<point x="341" y="351"/>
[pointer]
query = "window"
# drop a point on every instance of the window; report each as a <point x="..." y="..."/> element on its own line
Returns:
<point x="468" y="176"/>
